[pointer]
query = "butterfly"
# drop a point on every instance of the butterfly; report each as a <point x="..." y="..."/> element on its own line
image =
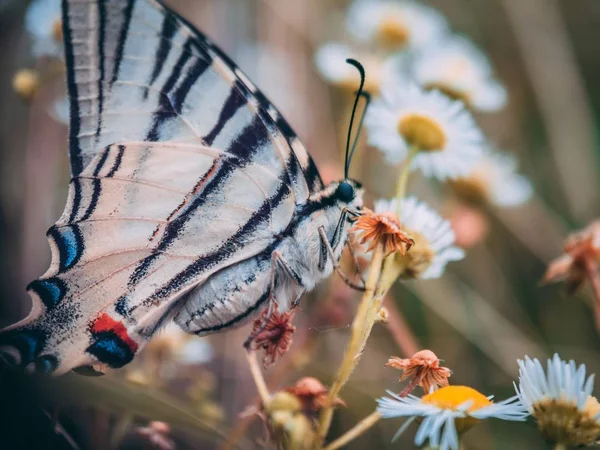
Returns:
<point x="191" y="198"/>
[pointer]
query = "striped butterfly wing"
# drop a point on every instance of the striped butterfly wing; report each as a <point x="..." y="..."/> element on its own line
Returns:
<point x="180" y="167"/>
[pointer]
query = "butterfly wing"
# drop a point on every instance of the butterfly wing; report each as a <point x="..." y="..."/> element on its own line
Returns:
<point x="180" y="167"/>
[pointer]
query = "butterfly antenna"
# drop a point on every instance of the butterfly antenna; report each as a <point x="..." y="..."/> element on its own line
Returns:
<point x="360" y="93"/>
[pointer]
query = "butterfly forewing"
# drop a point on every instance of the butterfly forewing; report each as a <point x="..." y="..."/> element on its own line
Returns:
<point x="180" y="167"/>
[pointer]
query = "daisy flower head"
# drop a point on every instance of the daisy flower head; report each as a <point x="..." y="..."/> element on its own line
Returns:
<point x="495" y="180"/>
<point x="447" y="413"/>
<point x="442" y="132"/>
<point x="395" y="25"/>
<point x="433" y="236"/>
<point x="43" y="21"/>
<point x="330" y="60"/>
<point x="460" y="70"/>
<point x="560" y="400"/>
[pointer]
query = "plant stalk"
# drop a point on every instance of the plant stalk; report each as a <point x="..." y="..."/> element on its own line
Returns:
<point x="361" y="327"/>
<point x="355" y="431"/>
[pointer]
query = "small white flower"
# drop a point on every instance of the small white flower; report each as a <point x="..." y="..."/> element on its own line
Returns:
<point x="195" y="351"/>
<point x="495" y="180"/>
<point x="560" y="400"/>
<point x="459" y="69"/>
<point x="448" y="412"/>
<point x="444" y="134"/>
<point x="434" y="239"/>
<point x="395" y="24"/>
<point x="60" y="110"/>
<point x="43" y="21"/>
<point x="330" y="60"/>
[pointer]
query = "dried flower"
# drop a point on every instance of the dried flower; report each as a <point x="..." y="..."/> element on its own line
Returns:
<point x="312" y="394"/>
<point x="581" y="258"/>
<point x="424" y="368"/>
<point x="275" y="337"/>
<point x="156" y="434"/>
<point x="433" y="240"/>
<point x="383" y="228"/>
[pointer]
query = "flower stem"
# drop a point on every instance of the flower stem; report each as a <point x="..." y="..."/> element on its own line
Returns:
<point x="355" y="431"/>
<point x="403" y="179"/>
<point x="261" y="385"/>
<point x="560" y="446"/>
<point x="361" y="328"/>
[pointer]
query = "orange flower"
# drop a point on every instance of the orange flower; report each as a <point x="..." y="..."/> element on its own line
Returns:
<point x="275" y="337"/>
<point x="580" y="260"/>
<point x="312" y="394"/>
<point x="383" y="228"/>
<point x="424" y="368"/>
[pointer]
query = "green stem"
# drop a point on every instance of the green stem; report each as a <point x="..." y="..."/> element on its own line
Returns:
<point x="403" y="179"/>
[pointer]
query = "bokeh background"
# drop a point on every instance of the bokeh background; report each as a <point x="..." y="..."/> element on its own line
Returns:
<point x="487" y="310"/>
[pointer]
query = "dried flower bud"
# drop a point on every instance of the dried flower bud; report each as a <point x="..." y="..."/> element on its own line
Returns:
<point x="275" y="338"/>
<point x="312" y="394"/>
<point x="383" y="316"/>
<point x="424" y="368"/>
<point x="156" y="434"/>
<point x="383" y="228"/>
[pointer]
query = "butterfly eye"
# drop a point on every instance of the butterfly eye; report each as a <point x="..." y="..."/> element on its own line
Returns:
<point x="345" y="192"/>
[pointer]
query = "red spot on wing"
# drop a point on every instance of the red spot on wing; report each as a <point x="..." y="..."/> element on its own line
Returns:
<point x="107" y="323"/>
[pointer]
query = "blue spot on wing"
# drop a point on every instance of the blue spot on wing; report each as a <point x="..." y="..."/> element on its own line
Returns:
<point x="28" y="342"/>
<point x="110" y="349"/>
<point x="69" y="242"/>
<point x="51" y="291"/>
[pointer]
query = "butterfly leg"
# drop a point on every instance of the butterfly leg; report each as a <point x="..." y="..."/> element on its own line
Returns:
<point x="277" y="262"/>
<point x="327" y="246"/>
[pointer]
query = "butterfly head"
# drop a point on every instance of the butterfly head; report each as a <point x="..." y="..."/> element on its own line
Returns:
<point x="349" y="192"/>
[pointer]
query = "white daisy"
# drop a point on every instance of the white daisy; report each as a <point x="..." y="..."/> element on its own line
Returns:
<point x="44" y="22"/>
<point x="448" y="412"/>
<point x="495" y="180"/>
<point x="330" y="60"/>
<point x="560" y="400"/>
<point x="196" y="350"/>
<point x="459" y="69"/>
<point x="442" y="131"/>
<point x="433" y="236"/>
<point x="60" y="110"/>
<point x="395" y="24"/>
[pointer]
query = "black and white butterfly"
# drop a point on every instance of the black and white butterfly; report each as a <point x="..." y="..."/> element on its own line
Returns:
<point x="191" y="198"/>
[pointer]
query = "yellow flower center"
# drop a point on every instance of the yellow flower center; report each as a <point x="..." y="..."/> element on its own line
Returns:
<point x="422" y="132"/>
<point x="414" y="262"/>
<point x="57" y="30"/>
<point x="475" y="188"/>
<point x="451" y="397"/>
<point x="563" y="423"/>
<point x="392" y="32"/>
<point x="450" y="91"/>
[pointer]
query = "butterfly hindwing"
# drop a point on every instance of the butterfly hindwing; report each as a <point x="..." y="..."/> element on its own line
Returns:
<point x="180" y="167"/>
